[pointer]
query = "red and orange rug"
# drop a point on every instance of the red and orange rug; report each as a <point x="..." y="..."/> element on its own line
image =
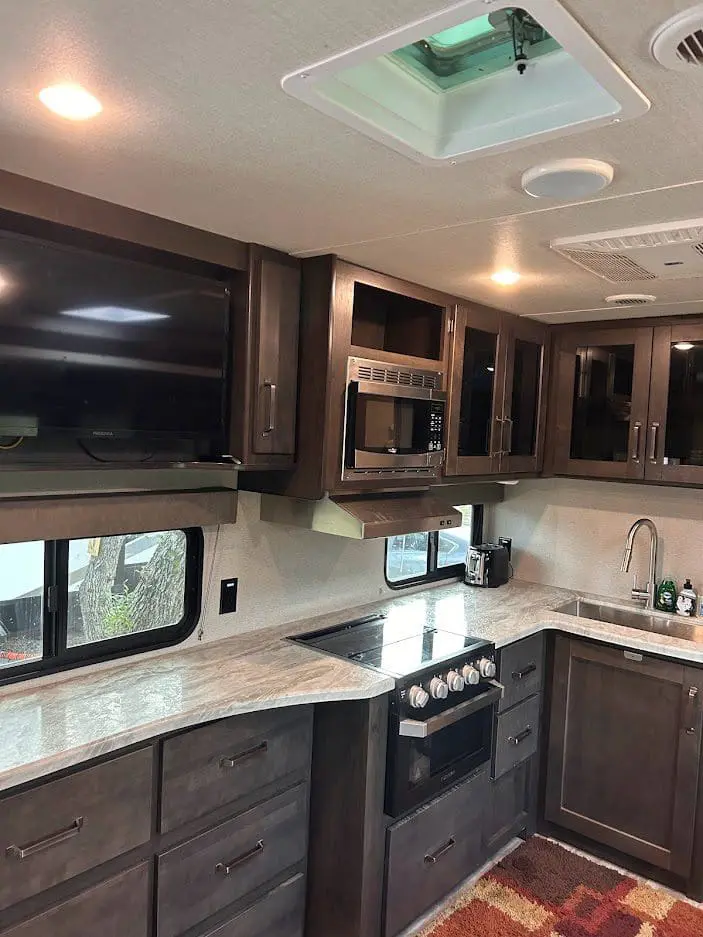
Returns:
<point x="543" y="890"/>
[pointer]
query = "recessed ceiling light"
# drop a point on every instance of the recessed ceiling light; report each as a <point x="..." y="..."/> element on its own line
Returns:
<point x="567" y="178"/>
<point x="684" y="346"/>
<point x="114" y="314"/>
<point x="505" y="277"/>
<point x="70" y="101"/>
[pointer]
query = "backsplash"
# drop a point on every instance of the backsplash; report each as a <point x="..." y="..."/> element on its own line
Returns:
<point x="571" y="532"/>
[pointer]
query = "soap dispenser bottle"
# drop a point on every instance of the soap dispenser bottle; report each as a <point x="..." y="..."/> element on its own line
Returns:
<point x="686" y="602"/>
<point x="666" y="595"/>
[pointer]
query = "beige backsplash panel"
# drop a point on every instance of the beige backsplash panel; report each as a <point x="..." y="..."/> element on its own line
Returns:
<point x="571" y="532"/>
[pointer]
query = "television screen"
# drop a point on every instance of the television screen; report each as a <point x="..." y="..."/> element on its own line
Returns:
<point x="103" y="347"/>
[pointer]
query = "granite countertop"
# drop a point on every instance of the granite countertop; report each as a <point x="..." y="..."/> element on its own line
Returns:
<point x="49" y="724"/>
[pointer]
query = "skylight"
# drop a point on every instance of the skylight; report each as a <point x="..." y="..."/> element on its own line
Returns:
<point x="478" y="77"/>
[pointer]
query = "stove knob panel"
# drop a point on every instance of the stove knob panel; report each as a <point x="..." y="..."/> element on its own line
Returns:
<point x="455" y="681"/>
<point x="487" y="668"/>
<point x="417" y="697"/>
<point x="470" y="674"/>
<point x="438" y="688"/>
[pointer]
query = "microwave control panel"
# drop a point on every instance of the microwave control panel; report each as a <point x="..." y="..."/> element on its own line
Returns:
<point x="436" y="434"/>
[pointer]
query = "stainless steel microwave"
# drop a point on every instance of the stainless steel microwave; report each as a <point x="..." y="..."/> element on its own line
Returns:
<point x="394" y="421"/>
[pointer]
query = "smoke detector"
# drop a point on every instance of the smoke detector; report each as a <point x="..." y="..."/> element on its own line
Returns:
<point x="678" y="43"/>
<point x="630" y="299"/>
<point x="671" y="251"/>
<point x="567" y="178"/>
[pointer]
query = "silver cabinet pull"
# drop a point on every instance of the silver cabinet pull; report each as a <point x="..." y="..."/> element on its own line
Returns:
<point x="653" y="435"/>
<point x="271" y="409"/>
<point x="509" y="447"/>
<point x="54" y="839"/>
<point x="433" y="857"/>
<point x="692" y="707"/>
<point x="524" y="672"/>
<point x="496" y="453"/>
<point x="521" y="736"/>
<point x="230" y="761"/>
<point x="636" y="440"/>
<point x="228" y="867"/>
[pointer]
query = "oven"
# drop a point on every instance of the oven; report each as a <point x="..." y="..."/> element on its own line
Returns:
<point x="394" y="420"/>
<point x="427" y="754"/>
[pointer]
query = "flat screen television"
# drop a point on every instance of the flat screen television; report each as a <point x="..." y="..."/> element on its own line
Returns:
<point x="103" y="347"/>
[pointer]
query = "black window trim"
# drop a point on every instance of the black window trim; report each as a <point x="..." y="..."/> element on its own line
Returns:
<point x="436" y="574"/>
<point x="58" y="658"/>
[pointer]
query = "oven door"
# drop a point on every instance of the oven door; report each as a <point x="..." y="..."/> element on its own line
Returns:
<point x="392" y="427"/>
<point x="425" y="757"/>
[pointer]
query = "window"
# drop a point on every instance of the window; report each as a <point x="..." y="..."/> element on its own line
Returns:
<point x="69" y="602"/>
<point x="426" y="557"/>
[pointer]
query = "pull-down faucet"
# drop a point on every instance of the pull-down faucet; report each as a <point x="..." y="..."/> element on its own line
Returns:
<point x="648" y="593"/>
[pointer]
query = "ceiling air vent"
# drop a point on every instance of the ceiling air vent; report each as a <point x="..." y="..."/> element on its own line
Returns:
<point x="630" y="299"/>
<point x="678" y="43"/>
<point x="671" y="251"/>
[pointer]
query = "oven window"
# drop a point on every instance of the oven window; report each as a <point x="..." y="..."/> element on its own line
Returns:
<point x="412" y="559"/>
<point x="468" y="739"/>
<point x="384" y="423"/>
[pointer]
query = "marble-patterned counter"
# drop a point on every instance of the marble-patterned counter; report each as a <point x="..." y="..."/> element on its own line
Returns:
<point x="48" y="724"/>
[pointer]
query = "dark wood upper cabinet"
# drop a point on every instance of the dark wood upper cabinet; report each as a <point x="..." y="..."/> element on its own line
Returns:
<point x="599" y="402"/>
<point x="265" y="367"/>
<point x="496" y="402"/>
<point x="624" y="751"/>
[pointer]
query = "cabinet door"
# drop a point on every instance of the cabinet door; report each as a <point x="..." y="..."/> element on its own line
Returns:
<point x="524" y="408"/>
<point x="476" y="392"/>
<point x="600" y="401"/>
<point x="675" y="426"/>
<point x="624" y="751"/>
<point x="275" y="295"/>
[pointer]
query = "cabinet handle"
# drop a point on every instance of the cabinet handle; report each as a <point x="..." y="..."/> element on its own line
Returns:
<point x="509" y="448"/>
<point x="525" y="672"/>
<point x="497" y="453"/>
<point x="692" y="706"/>
<point x="228" y="867"/>
<point x="653" y="434"/>
<point x="637" y="437"/>
<point x="271" y="409"/>
<point x="442" y="851"/>
<point x="54" y="839"/>
<point x="229" y="761"/>
<point x="521" y="736"/>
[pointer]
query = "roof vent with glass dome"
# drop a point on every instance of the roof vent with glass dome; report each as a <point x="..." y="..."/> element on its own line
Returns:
<point x="478" y="77"/>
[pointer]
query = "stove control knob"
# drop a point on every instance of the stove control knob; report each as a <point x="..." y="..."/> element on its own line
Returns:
<point x="455" y="681"/>
<point x="438" y="688"/>
<point x="417" y="697"/>
<point x="470" y="674"/>
<point x="487" y="668"/>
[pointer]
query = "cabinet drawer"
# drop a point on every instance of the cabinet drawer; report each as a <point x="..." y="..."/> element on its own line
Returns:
<point x="510" y="804"/>
<point x="63" y="827"/>
<point x="119" y="907"/>
<point x="205" y="874"/>
<point x="521" y="670"/>
<point x="281" y="913"/>
<point x="215" y="765"/>
<point x="517" y="732"/>
<point x="433" y="850"/>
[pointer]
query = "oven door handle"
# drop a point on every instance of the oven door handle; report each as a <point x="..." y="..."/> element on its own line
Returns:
<point x="419" y="729"/>
<point x="377" y="389"/>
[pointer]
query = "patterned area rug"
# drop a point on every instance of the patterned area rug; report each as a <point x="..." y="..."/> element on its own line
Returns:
<point x="543" y="890"/>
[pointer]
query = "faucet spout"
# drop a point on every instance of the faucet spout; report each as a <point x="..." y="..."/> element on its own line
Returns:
<point x="648" y="593"/>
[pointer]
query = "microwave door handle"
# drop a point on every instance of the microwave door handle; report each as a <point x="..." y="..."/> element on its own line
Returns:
<point x="377" y="389"/>
<point x="421" y="729"/>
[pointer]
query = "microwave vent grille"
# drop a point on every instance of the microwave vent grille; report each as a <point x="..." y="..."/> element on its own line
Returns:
<point x="396" y="376"/>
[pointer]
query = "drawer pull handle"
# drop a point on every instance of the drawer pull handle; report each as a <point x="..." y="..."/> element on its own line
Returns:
<point x="230" y="761"/>
<point x="525" y="672"/>
<point x="521" y="736"/>
<point x="228" y="867"/>
<point x="442" y="851"/>
<point x="55" y="839"/>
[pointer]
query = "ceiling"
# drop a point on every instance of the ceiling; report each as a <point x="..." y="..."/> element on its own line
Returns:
<point x="196" y="128"/>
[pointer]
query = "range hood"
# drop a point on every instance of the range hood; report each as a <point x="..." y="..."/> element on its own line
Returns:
<point x="375" y="516"/>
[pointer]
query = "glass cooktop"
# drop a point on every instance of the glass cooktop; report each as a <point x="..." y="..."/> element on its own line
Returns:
<point x="398" y="648"/>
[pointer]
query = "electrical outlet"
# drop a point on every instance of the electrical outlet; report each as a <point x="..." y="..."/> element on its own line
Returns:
<point x="228" y="596"/>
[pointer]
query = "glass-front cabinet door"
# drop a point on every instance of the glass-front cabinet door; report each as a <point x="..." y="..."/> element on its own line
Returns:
<point x="675" y="425"/>
<point x="523" y="414"/>
<point x="600" y="397"/>
<point x="477" y="369"/>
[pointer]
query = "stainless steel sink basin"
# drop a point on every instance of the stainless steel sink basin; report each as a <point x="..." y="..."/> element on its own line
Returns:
<point x="642" y="620"/>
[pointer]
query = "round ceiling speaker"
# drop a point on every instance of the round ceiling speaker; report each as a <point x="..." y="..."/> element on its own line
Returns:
<point x="630" y="299"/>
<point x="567" y="178"/>
<point x="678" y="43"/>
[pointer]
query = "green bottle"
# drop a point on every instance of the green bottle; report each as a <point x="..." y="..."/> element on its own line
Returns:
<point x="666" y="595"/>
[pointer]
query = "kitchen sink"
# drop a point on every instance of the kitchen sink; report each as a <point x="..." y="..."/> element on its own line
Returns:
<point x="642" y="620"/>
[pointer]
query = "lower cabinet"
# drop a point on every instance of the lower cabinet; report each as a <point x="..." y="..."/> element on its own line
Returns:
<point x="624" y="751"/>
<point x="511" y="807"/>
<point x="280" y="913"/>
